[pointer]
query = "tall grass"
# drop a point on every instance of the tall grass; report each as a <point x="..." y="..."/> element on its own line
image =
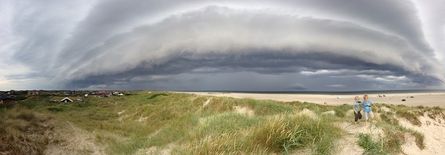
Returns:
<point x="393" y="140"/>
<point x="279" y="134"/>
<point x="390" y="143"/>
<point x="24" y="132"/>
<point x="370" y="146"/>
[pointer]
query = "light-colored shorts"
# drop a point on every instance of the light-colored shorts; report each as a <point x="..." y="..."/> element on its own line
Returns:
<point x="368" y="115"/>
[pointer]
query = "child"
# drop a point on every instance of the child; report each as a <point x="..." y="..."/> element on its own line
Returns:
<point x="357" y="108"/>
<point x="367" y="107"/>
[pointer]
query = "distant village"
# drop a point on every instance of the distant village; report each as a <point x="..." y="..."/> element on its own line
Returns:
<point x="63" y="96"/>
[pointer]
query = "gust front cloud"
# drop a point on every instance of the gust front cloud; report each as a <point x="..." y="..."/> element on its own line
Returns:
<point x="205" y="45"/>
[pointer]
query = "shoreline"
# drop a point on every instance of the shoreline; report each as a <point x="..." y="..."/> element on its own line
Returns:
<point x="429" y="99"/>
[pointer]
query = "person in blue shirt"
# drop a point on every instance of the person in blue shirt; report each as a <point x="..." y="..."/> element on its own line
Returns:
<point x="357" y="108"/>
<point x="367" y="107"/>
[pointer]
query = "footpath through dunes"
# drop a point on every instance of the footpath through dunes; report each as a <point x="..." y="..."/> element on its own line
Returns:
<point x="178" y="123"/>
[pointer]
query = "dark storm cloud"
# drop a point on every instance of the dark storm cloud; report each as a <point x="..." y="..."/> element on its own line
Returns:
<point x="179" y="44"/>
<point x="308" y="64"/>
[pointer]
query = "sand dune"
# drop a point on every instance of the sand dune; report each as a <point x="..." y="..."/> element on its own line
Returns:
<point x="432" y="129"/>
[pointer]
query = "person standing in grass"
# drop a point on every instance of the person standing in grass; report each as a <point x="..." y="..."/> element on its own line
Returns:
<point x="367" y="107"/>
<point x="357" y="108"/>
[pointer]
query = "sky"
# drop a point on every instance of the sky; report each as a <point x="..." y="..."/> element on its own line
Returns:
<point x="238" y="45"/>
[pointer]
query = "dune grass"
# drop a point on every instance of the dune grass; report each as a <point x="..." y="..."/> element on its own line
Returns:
<point x="184" y="124"/>
<point x="435" y="112"/>
<point x="370" y="146"/>
<point x="389" y="143"/>
<point x="394" y="132"/>
<point x="420" y="139"/>
<point x="24" y="132"/>
<point x="130" y="124"/>
<point x="278" y="134"/>
<point x="389" y="117"/>
<point x="410" y="116"/>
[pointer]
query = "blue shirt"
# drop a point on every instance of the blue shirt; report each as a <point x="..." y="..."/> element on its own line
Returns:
<point x="367" y="105"/>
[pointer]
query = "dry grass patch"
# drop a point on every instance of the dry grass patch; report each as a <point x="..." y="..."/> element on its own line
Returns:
<point x="410" y="116"/>
<point x="24" y="132"/>
<point x="420" y="139"/>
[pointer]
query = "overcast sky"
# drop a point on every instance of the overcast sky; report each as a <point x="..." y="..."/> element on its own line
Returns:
<point x="244" y="45"/>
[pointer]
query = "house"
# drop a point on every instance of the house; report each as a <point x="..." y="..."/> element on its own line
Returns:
<point x="103" y="94"/>
<point x="66" y="100"/>
<point x="33" y="92"/>
<point x="5" y="99"/>
<point x="116" y="93"/>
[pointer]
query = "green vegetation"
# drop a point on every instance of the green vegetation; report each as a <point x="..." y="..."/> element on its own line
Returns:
<point x="135" y="123"/>
<point x="189" y="124"/>
<point x="282" y="133"/>
<point x="389" y="143"/>
<point x="156" y="95"/>
<point x="370" y="146"/>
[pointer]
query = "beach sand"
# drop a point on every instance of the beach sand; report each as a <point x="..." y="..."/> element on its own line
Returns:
<point x="411" y="99"/>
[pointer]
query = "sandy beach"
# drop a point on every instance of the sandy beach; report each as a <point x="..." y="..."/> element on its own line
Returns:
<point x="411" y="99"/>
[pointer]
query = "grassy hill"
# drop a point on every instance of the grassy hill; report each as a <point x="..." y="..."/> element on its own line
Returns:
<point x="174" y="123"/>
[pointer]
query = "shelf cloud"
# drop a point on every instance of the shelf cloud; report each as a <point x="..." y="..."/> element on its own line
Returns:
<point x="255" y="45"/>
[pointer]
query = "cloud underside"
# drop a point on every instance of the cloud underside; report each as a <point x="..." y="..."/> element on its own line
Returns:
<point x="211" y="46"/>
<point x="230" y="41"/>
<point x="260" y="71"/>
